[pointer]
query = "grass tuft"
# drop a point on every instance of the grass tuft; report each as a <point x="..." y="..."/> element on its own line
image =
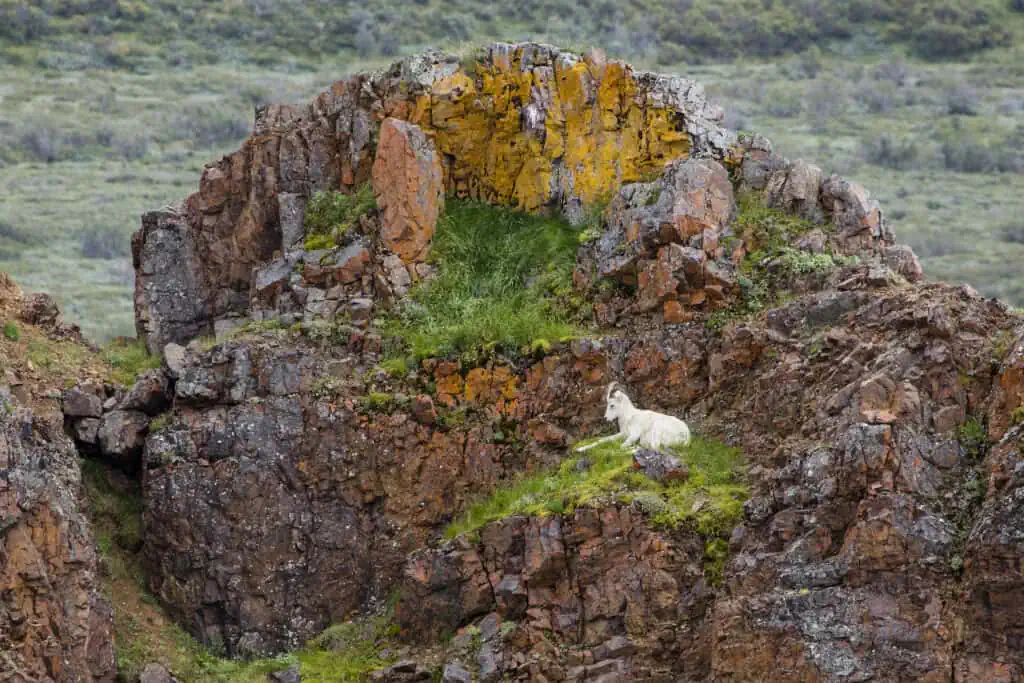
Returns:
<point x="11" y="331"/>
<point x="710" y="501"/>
<point x="129" y="358"/>
<point x="504" y="279"/>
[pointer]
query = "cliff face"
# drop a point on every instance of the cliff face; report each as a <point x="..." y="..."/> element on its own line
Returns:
<point x="297" y="482"/>
<point x="55" y="625"/>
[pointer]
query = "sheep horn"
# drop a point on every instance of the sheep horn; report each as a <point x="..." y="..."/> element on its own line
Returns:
<point x="608" y="392"/>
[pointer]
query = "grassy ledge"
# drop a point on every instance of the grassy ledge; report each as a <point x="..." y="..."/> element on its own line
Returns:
<point x="710" y="501"/>
<point x="128" y="359"/>
<point x="504" y="278"/>
<point x="331" y="215"/>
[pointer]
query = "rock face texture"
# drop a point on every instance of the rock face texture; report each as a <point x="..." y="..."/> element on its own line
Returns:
<point x="295" y="482"/>
<point x="407" y="179"/>
<point x="54" y="624"/>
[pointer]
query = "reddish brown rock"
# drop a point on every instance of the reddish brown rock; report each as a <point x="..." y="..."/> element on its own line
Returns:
<point x="54" y="623"/>
<point x="409" y="184"/>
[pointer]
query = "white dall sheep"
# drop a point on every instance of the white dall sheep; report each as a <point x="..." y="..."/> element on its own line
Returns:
<point x="645" y="428"/>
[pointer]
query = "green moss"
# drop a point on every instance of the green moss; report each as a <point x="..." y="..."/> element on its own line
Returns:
<point x="375" y="401"/>
<point x="11" y="331"/>
<point x="129" y="359"/>
<point x="710" y="501"/>
<point x="331" y="215"/>
<point x="1017" y="417"/>
<point x="396" y="367"/>
<point x="716" y="553"/>
<point x="504" y="280"/>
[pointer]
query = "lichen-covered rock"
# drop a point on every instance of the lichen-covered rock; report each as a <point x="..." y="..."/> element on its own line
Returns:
<point x="82" y="402"/>
<point x="122" y="436"/>
<point x="409" y="185"/>
<point x="149" y="394"/>
<point x="54" y="623"/>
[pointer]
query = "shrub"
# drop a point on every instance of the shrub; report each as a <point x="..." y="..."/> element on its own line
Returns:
<point x="961" y="100"/>
<point x="331" y="215"/>
<point x="11" y="331"/>
<point x="899" y="155"/>
<point x="104" y="242"/>
<point x="1013" y="232"/>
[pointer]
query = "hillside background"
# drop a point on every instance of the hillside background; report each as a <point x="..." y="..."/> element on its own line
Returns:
<point x="112" y="107"/>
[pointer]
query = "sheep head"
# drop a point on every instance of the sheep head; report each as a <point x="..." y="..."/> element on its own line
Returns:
<point x="617" y="403"/>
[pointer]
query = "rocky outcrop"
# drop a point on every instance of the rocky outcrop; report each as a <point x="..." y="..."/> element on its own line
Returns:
<point x="529" y="125"/>
<point x="54" y="623"/>
<point x="293" y="478"/>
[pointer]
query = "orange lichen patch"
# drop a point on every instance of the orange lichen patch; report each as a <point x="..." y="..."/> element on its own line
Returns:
<point x="497" y="388"/>
<point x="504" y="131"/>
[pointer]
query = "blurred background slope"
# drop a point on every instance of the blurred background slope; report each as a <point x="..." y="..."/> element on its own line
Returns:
<point x="112" y="107"/>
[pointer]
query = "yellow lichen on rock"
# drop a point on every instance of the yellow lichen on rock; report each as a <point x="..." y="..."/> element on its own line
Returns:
<point x="516" y="132"/>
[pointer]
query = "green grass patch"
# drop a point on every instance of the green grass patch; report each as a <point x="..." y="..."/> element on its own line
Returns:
<point x="11" y="331"/>
<point x="504" y="279"/>
<point x="129" y="358"/>
<point x="332" y="215"/>
<point x="710" y="501"/>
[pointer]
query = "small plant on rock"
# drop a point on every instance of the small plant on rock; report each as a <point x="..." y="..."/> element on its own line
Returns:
<point x="11" y="331"/>
<point x="332" y="215"/>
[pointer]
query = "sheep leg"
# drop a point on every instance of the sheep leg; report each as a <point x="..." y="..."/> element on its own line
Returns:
<point x="600" y="441"/>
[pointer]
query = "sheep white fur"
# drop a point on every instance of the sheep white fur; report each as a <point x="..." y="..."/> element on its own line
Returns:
<point x="645" y="428"/>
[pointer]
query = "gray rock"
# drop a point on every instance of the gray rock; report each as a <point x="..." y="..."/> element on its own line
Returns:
<point x="122" y="436"/>
<point x="175" y="358"/>
<point x="489" y="626"/>
<point x="80" y="402"/>
<point x="455" y="673"/>
<point x="488" y="659"/>
<point x="660" y="466"/>
<point x="292" y="210"/>
<point x="150" y="394"/>
<point x="156" y="673"/>
<point x="86" y="430"/>
<point x="289" y="675"/>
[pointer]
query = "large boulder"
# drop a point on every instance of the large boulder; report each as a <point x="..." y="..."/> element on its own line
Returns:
<point x="409" y="184"/>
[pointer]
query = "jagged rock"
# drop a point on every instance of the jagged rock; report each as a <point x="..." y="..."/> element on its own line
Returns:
<point x="86" y="431"/>
<point x="82" y="402"/>
<point x="122" y="436"/>
<point x="40" y="309"/>
<point x="292" y="210"/>
<point x="902" y="260"/>
<point x="149" y="394"/>
<point x="54" y="620"/>
<point x="409" y="184"/>
<point x="455" y="673"/>
<point x="660" y="466"/>
<point x="794" y="188"/>
<point x="290" y="675"/>
<point x="156" y="673"/>
<point x="403" y="672"/>
<point x="174" y="358"/>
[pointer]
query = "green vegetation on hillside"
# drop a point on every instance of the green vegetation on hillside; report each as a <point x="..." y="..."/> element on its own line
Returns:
<point x="710" y="501"/>
<point x="503" y="278"/>
<point x="141" y="34"/>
